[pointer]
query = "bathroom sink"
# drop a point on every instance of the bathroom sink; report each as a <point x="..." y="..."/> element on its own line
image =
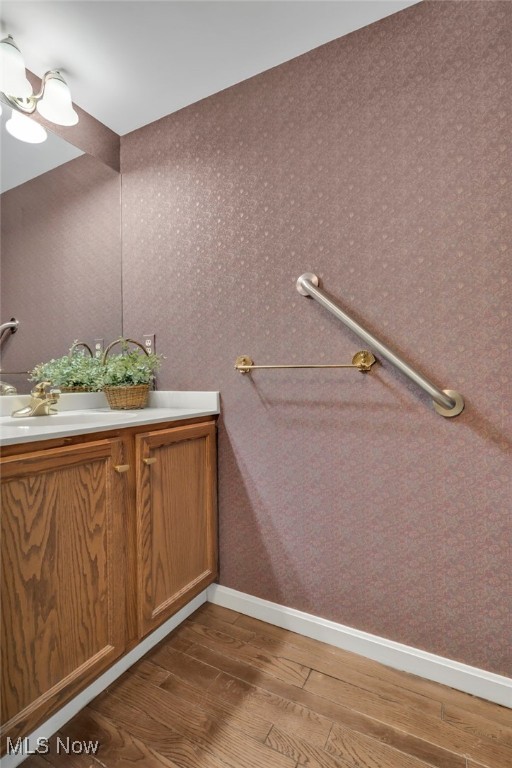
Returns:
<point x="67" y="418"/>
<point x="99" y="418"/>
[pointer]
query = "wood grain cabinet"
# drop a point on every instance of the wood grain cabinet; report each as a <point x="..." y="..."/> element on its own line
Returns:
<point x="62" y="564"/>
<point x="176" y="519"/>
<point x="104" y="537"/>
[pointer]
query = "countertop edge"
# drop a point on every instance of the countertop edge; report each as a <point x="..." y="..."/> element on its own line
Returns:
<point x="50" y="433"/>
<point x="163" y="406"/>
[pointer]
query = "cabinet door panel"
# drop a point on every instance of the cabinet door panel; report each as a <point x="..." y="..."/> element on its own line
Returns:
<point x="176" y="515"/>
<point x="62" y="570"/>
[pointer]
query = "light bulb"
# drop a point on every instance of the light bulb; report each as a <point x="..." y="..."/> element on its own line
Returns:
<point x="13" y="80"/>
<point x="25" y="129"/>
<point x="56" y="104"/>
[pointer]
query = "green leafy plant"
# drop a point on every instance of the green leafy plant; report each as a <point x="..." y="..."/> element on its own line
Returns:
<point x="73" y="370"/>
<point x="129" y="368"/>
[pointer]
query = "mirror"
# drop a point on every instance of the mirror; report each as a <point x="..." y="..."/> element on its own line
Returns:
<point x="61" y="252"/>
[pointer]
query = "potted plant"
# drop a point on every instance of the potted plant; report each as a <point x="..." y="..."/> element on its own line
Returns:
<point x="74" y="372"/>
<point x="125" y="377"/>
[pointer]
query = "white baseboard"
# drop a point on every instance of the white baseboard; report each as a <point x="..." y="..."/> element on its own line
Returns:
<point x="478" y="682"/>
<point x="74" y="706"/>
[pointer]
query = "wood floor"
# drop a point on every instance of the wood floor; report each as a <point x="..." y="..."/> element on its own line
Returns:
<point x="227" y="691"/>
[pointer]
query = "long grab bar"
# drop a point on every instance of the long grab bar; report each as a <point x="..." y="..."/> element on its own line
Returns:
<point x="447" y="402"/>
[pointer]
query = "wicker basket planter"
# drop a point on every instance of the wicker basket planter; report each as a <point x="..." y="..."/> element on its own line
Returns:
<point x="78" y="387"/>
<point x="127" y="398"/>
<point x="73" y="372"/>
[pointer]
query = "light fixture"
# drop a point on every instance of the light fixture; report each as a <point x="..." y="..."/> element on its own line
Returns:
<point x="23" y="128"/>
<point x="53" y="102"/>
<point x="13" y="79"/>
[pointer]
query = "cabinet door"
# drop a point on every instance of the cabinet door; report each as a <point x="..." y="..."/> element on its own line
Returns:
<point x="61" y="576"/>
<point x="176" y="519"/>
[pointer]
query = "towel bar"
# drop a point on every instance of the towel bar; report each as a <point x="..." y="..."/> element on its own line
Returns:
<point x="362" y="361"/>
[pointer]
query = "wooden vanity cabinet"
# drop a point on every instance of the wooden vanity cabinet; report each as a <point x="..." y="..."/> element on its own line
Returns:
<point x="62" y="568"/>
<point x="176" y="519"/>
<point x="104" y="537"/>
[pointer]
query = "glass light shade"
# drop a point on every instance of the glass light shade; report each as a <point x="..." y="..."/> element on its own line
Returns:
<point x="56" y="104"/>
<point x="13" y="80"/>
<point x="23" y="128"/>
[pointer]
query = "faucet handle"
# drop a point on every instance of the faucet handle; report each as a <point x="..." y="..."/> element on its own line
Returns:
<point x="40" y="389"/>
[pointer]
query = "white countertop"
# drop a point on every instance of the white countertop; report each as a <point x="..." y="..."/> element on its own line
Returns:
<point x="79" y="414"/>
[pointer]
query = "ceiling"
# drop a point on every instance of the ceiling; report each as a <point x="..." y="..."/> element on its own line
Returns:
<point x="130" y="62"/>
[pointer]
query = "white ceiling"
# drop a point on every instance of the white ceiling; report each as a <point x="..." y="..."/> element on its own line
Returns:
<point x="130" y="62"/>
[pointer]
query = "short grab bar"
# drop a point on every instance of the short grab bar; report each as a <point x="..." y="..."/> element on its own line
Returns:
<point x="447" y="402"/>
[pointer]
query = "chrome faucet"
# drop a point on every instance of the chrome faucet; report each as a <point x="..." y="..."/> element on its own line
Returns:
<point x="41" y="402"/>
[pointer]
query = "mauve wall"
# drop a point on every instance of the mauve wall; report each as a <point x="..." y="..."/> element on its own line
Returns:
<point x="380" y="162"/>
<point x="61" y="263"/>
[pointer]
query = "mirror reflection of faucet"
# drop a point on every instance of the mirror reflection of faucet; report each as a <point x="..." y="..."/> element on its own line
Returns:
<point x="41" y="402"/>
<point x="7" y="389"/>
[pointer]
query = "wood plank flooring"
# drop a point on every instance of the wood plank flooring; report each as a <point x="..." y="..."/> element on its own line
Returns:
<point x="228" y="691"/>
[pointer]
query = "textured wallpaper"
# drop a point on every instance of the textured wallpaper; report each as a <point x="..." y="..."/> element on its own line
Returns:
<point x="61" y="263"/>
<point x="381" y="162"/>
